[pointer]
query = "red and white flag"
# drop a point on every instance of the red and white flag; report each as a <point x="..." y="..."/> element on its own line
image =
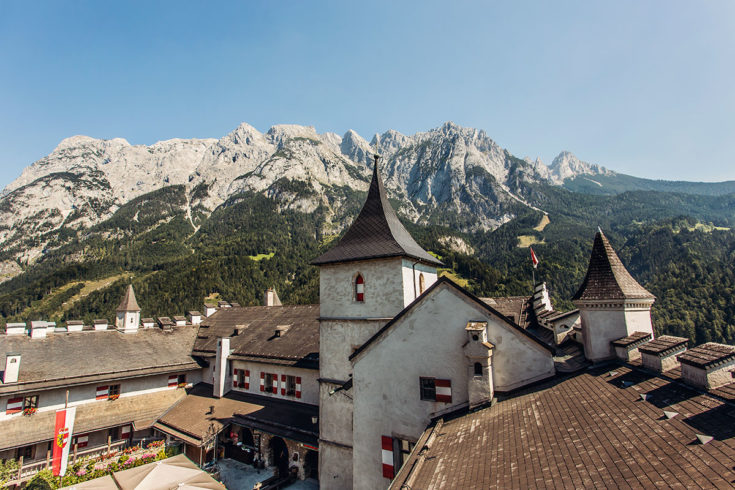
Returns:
<point x="62" y="439"/>
<point x="534" y="259"/>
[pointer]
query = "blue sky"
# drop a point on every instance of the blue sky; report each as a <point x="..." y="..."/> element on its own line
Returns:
<point x="644" y="88"/>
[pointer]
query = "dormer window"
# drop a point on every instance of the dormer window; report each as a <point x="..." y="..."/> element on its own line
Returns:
<point x="359" y="288"/>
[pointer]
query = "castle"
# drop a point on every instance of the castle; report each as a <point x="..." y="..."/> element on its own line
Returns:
<point x="399" y="378"/>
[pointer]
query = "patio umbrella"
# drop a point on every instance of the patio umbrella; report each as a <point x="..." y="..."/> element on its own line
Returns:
<point x="102" y="483"/>
<point x="171" y="473"/>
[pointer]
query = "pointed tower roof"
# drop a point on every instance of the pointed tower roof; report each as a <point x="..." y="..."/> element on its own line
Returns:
<point x="128" y="302"/>
<point x="607" y="277"/>
<point x="376" y="233"/>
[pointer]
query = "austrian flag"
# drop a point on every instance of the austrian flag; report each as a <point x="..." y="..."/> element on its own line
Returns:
<point x="534" y="259"/>
<point x="62" y="438"/>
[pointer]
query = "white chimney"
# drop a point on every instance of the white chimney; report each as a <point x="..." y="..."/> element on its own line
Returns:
<point x="221" y="386"/>
<point x="660" y="354"/>
<point x="626" y="349"/>
<point x="15" y="329"/>
<point x="195" y="318"/>
<point x="74" y="326"/>
<point x="541" y="300"/>
<point x="39" y="328"/>
<point x="12" y="368"/>
<point x="270" y="298"/>
<point x="708" y="366"/>
<point x="100" y="324"/>
<point x="209" y="309"/>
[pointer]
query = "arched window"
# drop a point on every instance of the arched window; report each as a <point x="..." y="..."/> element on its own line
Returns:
<point x="422" y="283"/>
<point x="359" y="288"/>
<point x="478" y="369"/>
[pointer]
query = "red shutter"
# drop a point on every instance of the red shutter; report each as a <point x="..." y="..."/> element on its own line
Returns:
<point x="15" y="405"/>
<point x="275" y="384"/>
<point x="387" y="457"/>
<point x="283" y="384"/>
<point x="246" y="384"/>
<point x="234" y="378"/>
<point x="262" y="381"/>
<point x="359" y="289"/>
<point x="102" y="393"/>
<point x="443" y="390"/>
<point x="173" y="380"/>
<point x="298" y="386"/>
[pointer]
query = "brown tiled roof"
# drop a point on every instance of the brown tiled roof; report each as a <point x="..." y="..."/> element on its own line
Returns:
<point x="707" y="354"/>
<point x="631" y="339"/>
<point x="75" y="322"/>
<point x="22" y="430"/>
<point x="128" y="302"/>
<point x="195" y="313"/>
<point x="586" y="431"/>
<point x="377" y="232"/>
<point x="256" y="338"/>
<point x="607" y="277"/>
<point x="663" y="344"/>
<point x="164" y="320"/>
<point x="557" y="315"/>
<point x="191" y="417"/>
<point x="63" y="359"/>
<point x="517" y="308"/>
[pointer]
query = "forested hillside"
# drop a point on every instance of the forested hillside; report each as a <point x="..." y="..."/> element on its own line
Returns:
<point x="680" y="247"/>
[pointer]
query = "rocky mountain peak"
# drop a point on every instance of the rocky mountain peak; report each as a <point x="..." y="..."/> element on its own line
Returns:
<point x="566" y="165"/>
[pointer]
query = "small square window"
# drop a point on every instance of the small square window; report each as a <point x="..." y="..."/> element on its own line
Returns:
<point x="268" y="382"/>
<point x="30" y="402"/>
<point x="290" y="385"/>
<point x="428" y="389"/>
<point x="181" y="379"/>
<point x="114" y="390"/>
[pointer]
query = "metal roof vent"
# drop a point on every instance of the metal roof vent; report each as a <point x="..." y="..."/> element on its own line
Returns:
<point x="281" y="329"/>
<point x="670" y="415"/>
<point x="645" y="397"/>
<point x="704" y="439"/>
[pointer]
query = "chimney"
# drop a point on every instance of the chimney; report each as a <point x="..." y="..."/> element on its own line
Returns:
<point x="270" y="298"/>
<point x="180" y="321"/>
<point x="39" y="329"/>
<point x="223" y="304"/>
<point x="281" y="329"/>
<point x="660" y="354"/>
<point x="221" y="386"/>
<point x="209" y="309"/>
<point x="74" y="326"/>
<point x="100" y="324"/>
<point x="195" y="318"/>
<point x="541" y="300"/>
<point x="12" y="368"/>
<point x="626" y="349"/>
<point x="708" y="366"/>
<point x="15" y="329"/>
<point x="479" y="354"/>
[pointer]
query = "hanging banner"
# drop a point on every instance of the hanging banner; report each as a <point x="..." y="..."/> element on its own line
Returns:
<point x="62" y="439"/>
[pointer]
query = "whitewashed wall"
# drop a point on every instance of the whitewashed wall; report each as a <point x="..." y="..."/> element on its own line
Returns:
<point x="309" y="383"/>
<point x="428" y="342"/>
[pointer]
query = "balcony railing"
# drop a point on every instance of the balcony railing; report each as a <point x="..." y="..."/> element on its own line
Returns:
<point x="29" y="469"/>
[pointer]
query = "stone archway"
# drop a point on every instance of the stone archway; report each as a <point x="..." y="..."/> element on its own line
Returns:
<point x="279" y="456"/>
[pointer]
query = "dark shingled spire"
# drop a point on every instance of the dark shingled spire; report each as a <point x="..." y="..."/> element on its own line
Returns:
<point x="128" y="302"/>
<point x="607" y="277"/>
<point x="376" y="233"/>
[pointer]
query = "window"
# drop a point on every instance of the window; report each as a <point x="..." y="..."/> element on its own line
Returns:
<point x="114" y="391"/>
<point x="359" y="288"/>
<point x="26" y="452"/>
<point x="268" y="382"/>
<point x="433" y="389"/>
<point x="30" y="402"/>
<point x="182" y="379"/>
<point x="422" y="283"/>
<point x="428" y="389"/>
<point x="290" y="385"/>
<point x="478" y="369"/>
<point x="401" y="450"/>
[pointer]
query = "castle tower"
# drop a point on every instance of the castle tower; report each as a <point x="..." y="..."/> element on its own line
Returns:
<point x="128" y="313"/>
<point x="373" y="273"/>
<point x="612" y="304"/>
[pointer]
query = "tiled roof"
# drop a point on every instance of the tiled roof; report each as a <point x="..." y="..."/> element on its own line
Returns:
<point x="586" y="431"/>
<point x="192" y="417"/>
<point x="128" y="302"/>
<point x="21" y="430"/>
<point x="607" y="277"/>
<point x="663" y="344"/>
<point x="518" y="309"/>
<point x="256" y="326"/>
<point x="707" y="354"/>
<point x="63" y="359"/>
<point x="377" y="232"/>
<point x="631" y="339"/>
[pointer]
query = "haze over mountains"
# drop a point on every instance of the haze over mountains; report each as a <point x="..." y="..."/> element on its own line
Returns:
<point x="437" y="175"/>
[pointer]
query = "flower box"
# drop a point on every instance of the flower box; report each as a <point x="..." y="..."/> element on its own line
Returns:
<point x="29" y="411"/>
<point x="113" y="397"/>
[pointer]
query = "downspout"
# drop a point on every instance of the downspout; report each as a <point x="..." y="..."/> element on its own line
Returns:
<point x="413" y="268"/>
